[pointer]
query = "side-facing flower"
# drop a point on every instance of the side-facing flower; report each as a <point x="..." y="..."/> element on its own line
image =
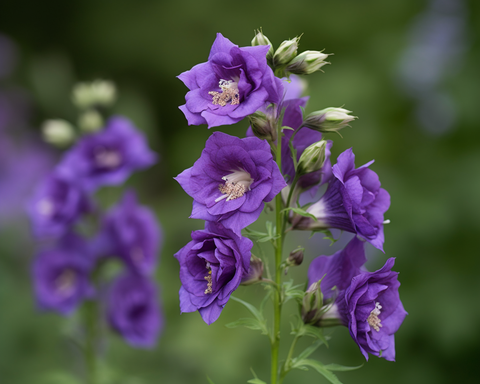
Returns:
<point x="133" y="311"/>
<point x="373" y="312"/>
<point x="57" y="203"/>
<point x="353" y="202"/>
<point x="109" y="156"/>
<point x="231" y="180"/>
<point x="131" y="232"/>
<point x="212" y="266"/>
<point x="61" y="275"/>
<point x="234" y="83"/>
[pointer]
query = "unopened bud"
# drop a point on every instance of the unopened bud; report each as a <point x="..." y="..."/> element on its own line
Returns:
<point x="262" y="126"/>
<point x="312" y="304"/>
<point x="312" y="158"/>
<point x="261" y="39"/>
<point x="328" y="119"/>
<point x="307" y="62"/>
<point x="286" y="52"/>
<point x="90" y="121"/>
<point x="97" y="93"/>
<point x="255" y="271"/>
<point x="58" y="132"/>
<point x="296" y="257"/>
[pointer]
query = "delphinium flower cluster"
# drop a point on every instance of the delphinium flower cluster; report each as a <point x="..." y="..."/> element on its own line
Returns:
<point x="284" y="157"/>
<point x="78" y="241"/>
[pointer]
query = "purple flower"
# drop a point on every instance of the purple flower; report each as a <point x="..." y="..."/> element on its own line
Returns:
<point x="372" y="310"/>
<point x="56" y="205"/>
<point x="108" y="157"/>
<point x="132" y="310"/>
<point x="231" y="180"/>
<point x="353" y="202"/>
<point x="131" y="232"/>
<point x="61" y="275"/>
<point x="234" y="83"/>
<point x="212" y="266"/>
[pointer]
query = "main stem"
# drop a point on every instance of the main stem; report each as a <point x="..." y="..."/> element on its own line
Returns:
<point x="90" y="323"/>
<point x="277" y="305"/>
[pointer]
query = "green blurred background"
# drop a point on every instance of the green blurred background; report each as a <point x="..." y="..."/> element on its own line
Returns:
<point x="432" y="176"/>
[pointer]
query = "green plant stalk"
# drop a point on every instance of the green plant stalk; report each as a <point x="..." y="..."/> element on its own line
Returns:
<point x="90" y="355"/>
<point x="286" y="365"/>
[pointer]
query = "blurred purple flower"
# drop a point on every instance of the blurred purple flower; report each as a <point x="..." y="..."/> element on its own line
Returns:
<point x="133" y="311"/>
<point x="231" y="180"/>
<point x="212" y="266"/>
<point x="56" y="205"/>
<point x="61" y="275"/>
<point x="353" y="202"/>
<point x="108" y="157"/>
<point x="132" y="232"/>
<point x="234" y="83"/>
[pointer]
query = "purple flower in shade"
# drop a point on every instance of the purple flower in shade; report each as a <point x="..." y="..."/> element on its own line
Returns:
<point x="234" y="83"/>
<point x="367" y="303"/>
<point x="231" y="180"/>
<point x="212" y="266"/>
<point x="108" y="157"/>
<point x="133" y="311"/>
<point x="56" y="205"/>
<point x="131" y="232"/>
<point x="61" y="275"/>
<point x="353" y="202"/>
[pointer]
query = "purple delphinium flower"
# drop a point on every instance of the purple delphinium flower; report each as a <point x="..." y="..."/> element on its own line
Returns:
<point x="131" y="232"/>
<point x="212" y="266"/>
<point x="133" y="311"/>
<point x="353" y="202"/>
<point x="231" y="180"/>
<point x="61" y="275"/>
<point x="372" y="310"/>
<point x="109" y="156"/>
<point x="234" y="83"/>
<point x="57" y="204"/>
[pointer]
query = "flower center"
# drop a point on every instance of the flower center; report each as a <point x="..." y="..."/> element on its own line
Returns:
<point x="137" y="255"/>
<point x="236" y="184"/>
<point x="46" y="207"/>
<point x="373" y="319"/>
<point x="209" y="280"/>
<point x="66" y="282"/>
<point x="229" y="93"/>
<point x="107" y="158"/>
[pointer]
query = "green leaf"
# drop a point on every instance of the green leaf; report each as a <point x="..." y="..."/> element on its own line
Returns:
<point x="210" y="381"/>
<point x="255" y="312"/>
<point x="299" y="211"/>
<point x="287" y="128"/>
<point x="308" y="351"/>
<point x="293" y="151"/>
<point x="292" y="291"/>
<point x="256" y="381"/>
<point x="319" y="367"/>
<point x="310" y="330"/>
<point x="328" y="235"/>
<point x="247" y="322"/>
<point x="341" y="368"/>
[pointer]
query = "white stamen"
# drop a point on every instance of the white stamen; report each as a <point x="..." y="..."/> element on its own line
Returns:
<point x="229" y="93"/>
<point x="236" y="184"/>
<point x="65" y="283"/>
<point x="46" y="207"/>
<point x="209" y="280"/>
<point x="386" y="222"/>
<point x="373" y="319"/>
<point x="107" y="158"/>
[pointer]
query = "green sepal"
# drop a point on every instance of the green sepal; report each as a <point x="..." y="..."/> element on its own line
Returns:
<point x="299" y="211"/>
<point x="287" y="128"/>
<point x="327" y="233"/>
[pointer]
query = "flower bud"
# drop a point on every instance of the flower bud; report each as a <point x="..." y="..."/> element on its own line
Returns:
<point x="262" y="126"/>
<point x="307" y="62"/>
<point x="90" y="121"/>
<point x="58" y="132"/>
<point x="285" y="52"/>
<point x="255" y="271"/>
<point x="296" y="257"/>
<point x="97" y="93"/>
<point x="261" y="39"/>
<point x="328" y="119"/>
<point x="312" y="158"/>
<point x="312" y="304"/>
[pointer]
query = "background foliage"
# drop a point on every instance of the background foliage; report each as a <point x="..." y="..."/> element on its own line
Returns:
<point x="433" y="177"/>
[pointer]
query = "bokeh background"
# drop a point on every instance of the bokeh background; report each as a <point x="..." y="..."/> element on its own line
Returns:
<point x="409" y="70"/>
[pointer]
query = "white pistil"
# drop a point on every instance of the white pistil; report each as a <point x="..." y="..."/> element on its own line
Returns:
<point x="65" y="282"/>
<point x="46" y="207"/>
<point x="209" y="280"/>
<point x="373" y="319"/>
<point x="107" y="158"/>
<point x="236" y="184"/>
<point x="229" y="93"/>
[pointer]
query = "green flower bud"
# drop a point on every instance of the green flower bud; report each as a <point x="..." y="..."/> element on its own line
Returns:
<point x="90" y="121"/>
<point x="58" y="132"/>
<point x="255" y="271"/>
<point x="263" y="126"/>
<point x="261" y="39"/>
<point x="296" y="257"/>
<point x="286" y="52"/>
<point x="312" y="304"/>
<point x="307" y="62"/>
<point x="328" y="119"/>
<point x="312" y="158"/>
<point x="97" y="93"/>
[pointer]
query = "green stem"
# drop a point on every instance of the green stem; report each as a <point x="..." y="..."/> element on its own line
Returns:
<point x="286" y="365"/>
<point x="90" y="323"/>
